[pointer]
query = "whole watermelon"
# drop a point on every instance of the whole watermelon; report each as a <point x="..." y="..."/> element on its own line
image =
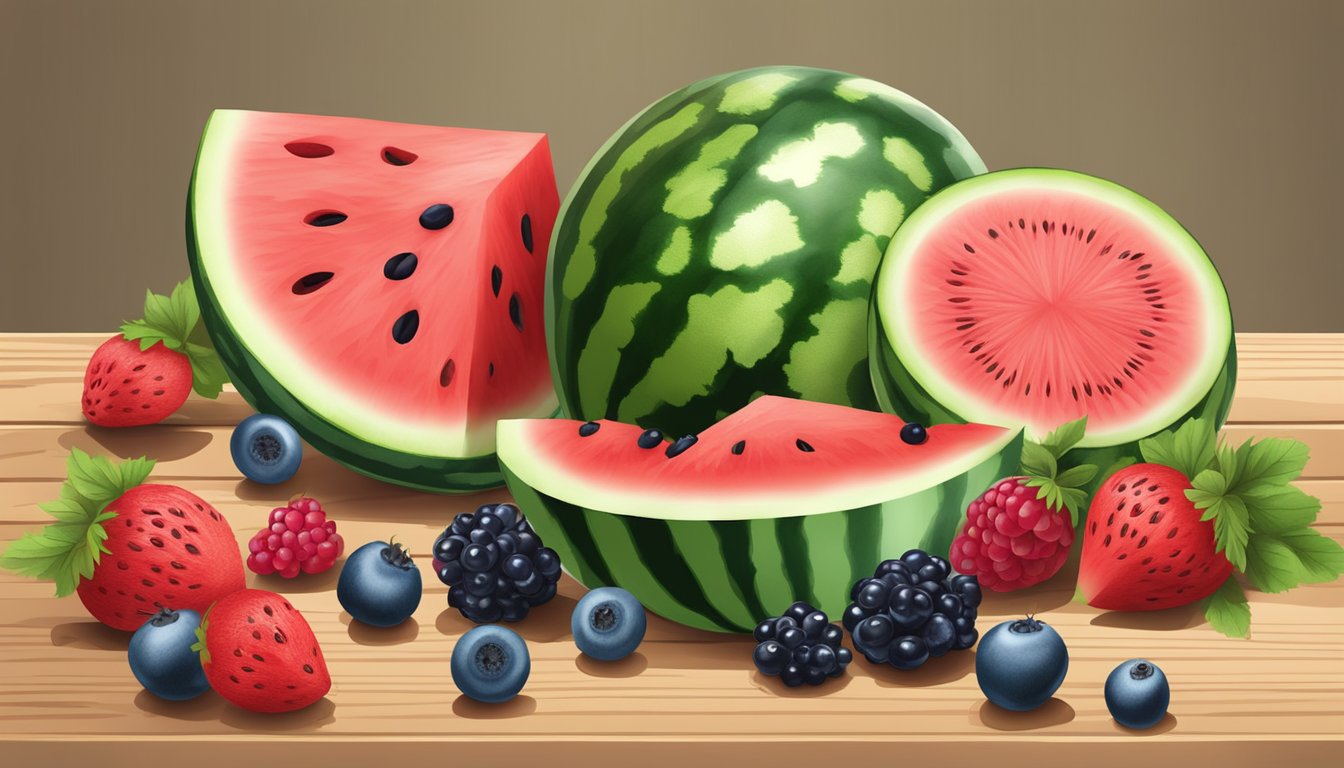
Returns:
<point x="722" y="245"/>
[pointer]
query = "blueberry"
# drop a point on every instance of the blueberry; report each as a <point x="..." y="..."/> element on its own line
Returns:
<point x="608" y="623"/>
<point x="939" y="634"/>
<point x="875" y="632"/>
<point x="910" y="607"/>
<point x="968" y="587"/>
<point x="490" y="664"/>
<point x="873" y="595"/>
<point x="162" y="659"/>
<point x="764" y="631"/>
<point x="915" y="559"/>
<point x="266" y="449"/>
<point x="908" y="652"/>
<point x="791" y="638"/>
<point x="1020" y="664"/>
<point x="1137" y="694"/>
<point x="771" y="657"/>
<point x="379" y="584"/>
<point x="949" y="605"/>
<point x="853" y="615"/>
<point x="914" y="434"/>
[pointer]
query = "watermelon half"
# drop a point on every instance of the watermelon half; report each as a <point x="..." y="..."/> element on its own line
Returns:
<point x="1032" y="297"/>
<point x="379" y="285"/>
<point x="783" y="500"/>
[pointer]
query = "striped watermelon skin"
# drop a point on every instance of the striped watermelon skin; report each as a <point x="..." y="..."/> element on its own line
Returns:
<point x="726" y="576"/>
<point x="723" y="243"/>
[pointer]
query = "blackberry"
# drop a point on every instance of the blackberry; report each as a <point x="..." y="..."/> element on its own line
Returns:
<point x="911" y="610"/>
<point x="802" y="646"/>
<point x="495" y="565"/>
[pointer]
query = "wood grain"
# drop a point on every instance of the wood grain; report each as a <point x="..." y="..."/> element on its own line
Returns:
<point x="66" y="695"/>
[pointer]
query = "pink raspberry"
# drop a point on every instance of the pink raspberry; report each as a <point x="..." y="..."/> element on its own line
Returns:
<point x="297" y="538"/>
<point x="1012" y="539"/>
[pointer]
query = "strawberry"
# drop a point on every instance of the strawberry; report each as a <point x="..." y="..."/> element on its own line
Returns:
<point x="128" y="547"/>
<point x="1178" y="527"/>
<point x="259" y="653"/>
<point x="1018" y="532"/>
<point x="145" y="373"/>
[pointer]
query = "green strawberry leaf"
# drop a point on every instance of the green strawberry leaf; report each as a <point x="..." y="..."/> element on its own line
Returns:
<point x="69" y="549"/>
<point x="1271" y="565"/>
<point x="1272" y="462"/>
<point x="1075" y="477"/>
<point x="1280" y="509"/>
<point x="175" y="320"/>
<point x="1189" y="450"/>
<point x="1038" y="461"/>
<point x="1227" y="610"/>
<point x="1320" y="557"/>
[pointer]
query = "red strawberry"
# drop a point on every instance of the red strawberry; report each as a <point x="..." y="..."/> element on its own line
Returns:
<point x="130" y="548"/>
<point x="1145" y="546"/>
<point x="146" y="372"/>
<point x="1018" y="532"/>
<point x="125" y="386"/>
<point x="259" y="653"/>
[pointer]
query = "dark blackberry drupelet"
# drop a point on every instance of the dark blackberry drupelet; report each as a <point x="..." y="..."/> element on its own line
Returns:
<point x="802" y="646"/>
<point x="911" y="610"/>
<point x="495" y="565"/>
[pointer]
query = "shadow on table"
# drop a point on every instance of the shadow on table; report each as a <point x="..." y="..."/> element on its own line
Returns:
<point x="367" y="634"/>
<point x="131" y="442"/>
<point x="1167" y="723"/>
<point x="774" y="686"/>
<point x="304" y="583"/>
<point x="90" y="635"/>
<point x="1167" y="620"/>
<point x="945" y="669"/>
<point x="208" y="706"/>
<point x="306" y="720"/>
<point x="628" y="667"/>
<point x="545" y="623"/>
<point x="1053" y="712"/>
<point x="518" y="706"/>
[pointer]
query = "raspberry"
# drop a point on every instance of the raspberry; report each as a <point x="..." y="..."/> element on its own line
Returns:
<point x="1011" y="538"/>
<point x="298" y="537"/>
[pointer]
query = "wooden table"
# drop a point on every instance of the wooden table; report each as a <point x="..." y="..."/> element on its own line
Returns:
<point x="66" y="693"/>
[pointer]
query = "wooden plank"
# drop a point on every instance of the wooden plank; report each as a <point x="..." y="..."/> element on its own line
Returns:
<point x="1282" y="378"/>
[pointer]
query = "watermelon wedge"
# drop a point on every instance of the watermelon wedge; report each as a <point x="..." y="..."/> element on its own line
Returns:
<point x="783" y="500"/>
<point x="379" y="285"/>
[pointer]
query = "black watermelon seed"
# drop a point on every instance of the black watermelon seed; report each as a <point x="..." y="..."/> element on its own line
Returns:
<point x="527" y="232"/>
<point x="401" y="266"/>
<point x="914" y="434"/>
<point x="308" y="149"/>
<point x="650" y="438"/>
<point x="311" y="282"/>
<point x="324" y="218"/>
<point x="496" y="279"/>
<point x="681" y="445"/>
<point x="516" y="311"/>
<point x="803" y="446"/>
<point x="739" y="447"/>
<point x="589" y="429"/>
<point x="403" y="330"/>
<point x="491" y="369"/>
<point x="396" y="156"/>
<point x="437" y="216"/>
<point x="446" y="373"/>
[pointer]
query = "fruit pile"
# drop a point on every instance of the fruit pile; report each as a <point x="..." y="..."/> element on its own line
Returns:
<point x="866" y="343"/>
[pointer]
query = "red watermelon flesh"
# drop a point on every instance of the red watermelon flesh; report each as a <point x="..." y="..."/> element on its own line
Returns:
<point x="378" y="284"/>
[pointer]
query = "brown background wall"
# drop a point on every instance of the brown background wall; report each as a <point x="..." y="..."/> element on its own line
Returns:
<point x="1228" y="113"/>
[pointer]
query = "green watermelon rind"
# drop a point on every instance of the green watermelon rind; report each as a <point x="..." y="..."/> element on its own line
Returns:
<point x="437" y="474"/>
<point x="727" y="575"/>
<point x="900" y="391"/>
<point x="634" y="218"/>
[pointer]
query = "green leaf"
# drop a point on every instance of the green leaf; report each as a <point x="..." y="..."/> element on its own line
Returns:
<point x="1231" y="528"/>
<point x="1064" y="437"/>
<point x="1194" y="447"/>
<point x="1282" y="509"/>
<point x="1227" y="610"/>
<point x="208" y="376"/>
<point x="1038" y="461"/>
<point x="1159" y="449"/>
<point x="1270" y="462"/>
<point x="1076" y="477"/>
<point x="1321" y="558"/>
<point x="1271" y="565"/>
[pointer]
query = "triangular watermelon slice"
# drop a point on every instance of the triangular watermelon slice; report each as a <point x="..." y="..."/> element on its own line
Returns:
<point x="377" y="284"/>
<point x="783" y="500"/>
